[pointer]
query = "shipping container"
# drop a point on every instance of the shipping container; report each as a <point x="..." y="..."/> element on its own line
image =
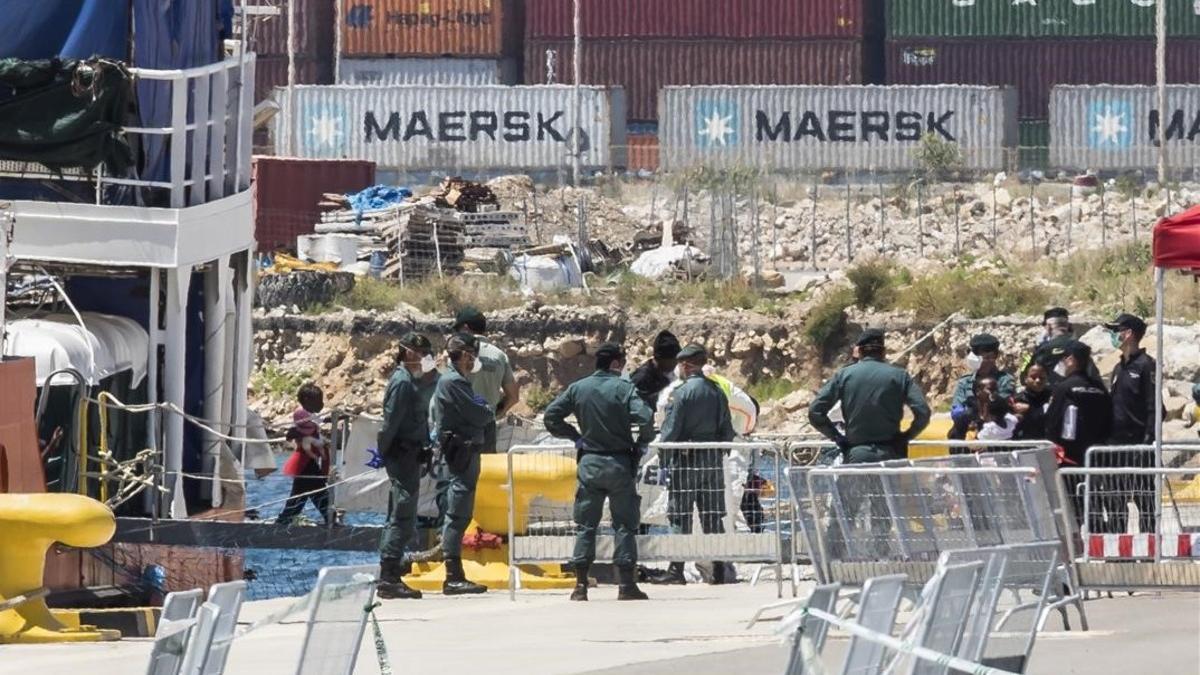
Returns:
<point x="430" y="27"/>
<point x="286" y="190"/>
<point x="272" y="71"/>
<point x="643" y="152"/>
<point x="738" y="19"/>
<point x="1048" y="18"/>
<point x="816" y="128"/>
<point x="1034" y="66"/>
<point x="451" y="129"/>
<point x="388" y="72"/>
<point x="267" y="35"/>
<point x="1107" y="127"/>
<point x="645" y="67"/>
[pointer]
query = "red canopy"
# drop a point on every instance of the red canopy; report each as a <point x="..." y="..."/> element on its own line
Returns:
<point x="1177" y="241"/>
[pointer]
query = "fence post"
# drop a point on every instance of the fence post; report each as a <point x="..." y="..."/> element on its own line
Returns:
<point x="920" y="218"/>
<point x="882" y="215"/>
<point x="849" y="246"/>
<point x="813" y="225"/>
<point x="995" y="231"/>
<point x="1032" y="229"/>
<point x="1070" y="214"/>
<point x="957" y="227"/>
<point x="1103" y="219"/>
<point x="1133" y="208"/>
<point x="775" y="223"/>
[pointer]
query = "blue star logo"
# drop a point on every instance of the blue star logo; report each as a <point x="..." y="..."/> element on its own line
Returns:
<point x="376" y="461"/>
<point x="324" y="128"/>
<point x="717" y="124"/>
<point x="1110" y="124"/>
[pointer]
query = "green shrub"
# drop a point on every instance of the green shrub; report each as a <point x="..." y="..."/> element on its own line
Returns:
<point x="827" y="318"/>
<point x="771" y="389"/>
<point x="977" y="294"/>
<point x="537" y="397"/>
<point x="874" y="284"/>
<point x="275" y="380"/>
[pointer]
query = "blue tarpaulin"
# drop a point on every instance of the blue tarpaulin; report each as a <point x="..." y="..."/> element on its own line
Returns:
<point x="377" y="197"/>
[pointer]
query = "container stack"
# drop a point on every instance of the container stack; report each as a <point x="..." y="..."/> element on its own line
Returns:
<point x="645" y="46"/>
<point x="429" y="42"/>
<point x="1035" y="46"/>
<point x="268" y="38"/>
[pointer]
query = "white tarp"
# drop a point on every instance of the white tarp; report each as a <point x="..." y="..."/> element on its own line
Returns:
<point x="661" y="262"/>
<point x="109" y="345"/>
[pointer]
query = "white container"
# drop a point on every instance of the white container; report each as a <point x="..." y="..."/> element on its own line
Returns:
<point x="793" y="128"/>
<point x="454" y="128"/>
<point x="1115" y="127"/>
<point x="390" y="72"/>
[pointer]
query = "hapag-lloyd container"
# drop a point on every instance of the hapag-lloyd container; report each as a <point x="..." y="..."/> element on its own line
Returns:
<point x="1034" y="66"/>
<point x="429" y="27"/>
<point x="452" y="128"/>
<point x="1111" y="127"/>
<point x="856" y="127"/>
<point x="1044" y="18"/>
<point x="737" y="19"/>
<point x="409" y="71"/>
<point x="643" y="67"/>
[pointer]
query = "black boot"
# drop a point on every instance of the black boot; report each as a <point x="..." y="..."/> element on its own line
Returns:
<point x="672" y="577"/>
<point x="581" y="584"/>
<point x="628" y="590"/>
<point x="391" y="581"/>
<point x="456" y="581"/>
<point x="718" y="573"/>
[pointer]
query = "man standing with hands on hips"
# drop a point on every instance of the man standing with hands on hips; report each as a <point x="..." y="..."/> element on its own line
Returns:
<point x="607" y="408"/>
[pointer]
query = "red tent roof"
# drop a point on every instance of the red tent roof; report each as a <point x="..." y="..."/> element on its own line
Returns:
<point x="1177" y="240"/>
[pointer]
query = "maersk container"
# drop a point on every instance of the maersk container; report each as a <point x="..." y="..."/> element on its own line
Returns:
<point x="643" y="67"/>
<point x="738" y="19"/>
<point x="1116" y="128"/>
<point x="1034" y="66"/>
<point x="387" y="72"/>
<point x="456" y="128"/>
<point x="430" y="27"/>
<point x="1044" y="18"/>
<point x="818" y="128"/>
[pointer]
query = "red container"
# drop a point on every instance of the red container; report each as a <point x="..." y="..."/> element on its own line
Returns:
<point x="272" y="71"/>
<point x="268" y="35"/>
<point x="1035" y="66"/>
<point x="643" y="152"/>
<point x="699" y="19"/>
<point x="287" y="190"/>
<point x="645" y="67"/>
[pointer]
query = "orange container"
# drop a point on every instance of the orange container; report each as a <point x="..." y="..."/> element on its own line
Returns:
<point x="643" y="152"/>
<point x="427" y="28"/>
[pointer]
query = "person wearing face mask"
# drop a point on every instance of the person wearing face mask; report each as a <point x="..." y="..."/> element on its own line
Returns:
<point x="402" y="442"/>
<point x="968" y="423"/>
<point x="1079" y="415"/>
<point x="607" y="408"/>
<point x="656" y="374"/>
<point x="1133" y="399"/>
<point x="493" y="378"/>
<point x="697" y="412"/>
<point x="981" y="361"/>
<point x="1030" y="405"/>
<point x="459" y="416"/>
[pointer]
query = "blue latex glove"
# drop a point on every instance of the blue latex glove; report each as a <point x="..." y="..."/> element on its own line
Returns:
<point x="376" y="460"/>
<point x="581" y="444"/>
<point x="959" y="413"/>
<point x="478" y="399"/>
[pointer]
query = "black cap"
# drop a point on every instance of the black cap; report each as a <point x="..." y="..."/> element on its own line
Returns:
<point x="462" y="342"/>
<point x="610" y="350"/>
<point x="871" y="337"/>
<point x="1055" y="313"/>
<point x="666" y="345"/>
<point x="693" y="351"/>
<point x="417" y="343"/>
<point x="1078" y="349"/>
<point x="985" y="343"/>
<point x="472" y="317"/>
<point x="1129" y="321"/>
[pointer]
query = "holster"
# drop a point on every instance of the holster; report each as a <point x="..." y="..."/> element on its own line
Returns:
<point x="457" y="451"/>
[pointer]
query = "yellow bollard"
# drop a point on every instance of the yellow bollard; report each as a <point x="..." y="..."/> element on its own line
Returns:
<point x="29" y="526"/>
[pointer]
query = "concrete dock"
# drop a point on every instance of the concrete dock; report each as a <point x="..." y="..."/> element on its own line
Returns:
<point x="694" y="629"/>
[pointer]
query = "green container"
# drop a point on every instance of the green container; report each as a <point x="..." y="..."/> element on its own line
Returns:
<point x="1047" y="18"/>
<point x="1034" y="144"/>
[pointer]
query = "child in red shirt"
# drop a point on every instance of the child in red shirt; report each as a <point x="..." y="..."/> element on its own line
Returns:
<point x="309" y="463"/>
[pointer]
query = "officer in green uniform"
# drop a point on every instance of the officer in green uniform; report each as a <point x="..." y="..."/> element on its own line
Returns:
<point x="494" y="380"/>
<point x="459" y="416"/>
<point x="607" y="407"/>
<point x="697" y="412"/>
<point x="873" y="395"/>
<point x="402" y="442"/>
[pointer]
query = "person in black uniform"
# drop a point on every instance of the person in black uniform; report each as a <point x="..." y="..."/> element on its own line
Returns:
<point x="1030" y="404"/>
<point x="1133" y="384"/>
<point x="654" y="375"/>
<point x="1079" y="416"/>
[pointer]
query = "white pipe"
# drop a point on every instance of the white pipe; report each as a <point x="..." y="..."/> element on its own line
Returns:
<point x="243" y="343"/>
<point x="215" y="281"/>
<point x="575" y="171"/>
<point x="1159" y="291"/>
<point x="174" y="376"/>
<point x="1160" y="68"/>
<point x="291" y="78"/>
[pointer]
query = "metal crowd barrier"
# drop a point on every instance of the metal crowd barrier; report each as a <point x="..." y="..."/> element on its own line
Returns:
<point x="1167" y="557"/>
<point x="688" y="513"/>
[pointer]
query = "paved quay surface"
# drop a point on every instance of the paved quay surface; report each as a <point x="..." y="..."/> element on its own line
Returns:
<point x="693" y="629"/>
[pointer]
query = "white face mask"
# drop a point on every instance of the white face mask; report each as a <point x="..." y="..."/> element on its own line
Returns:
<point x="679" y="374"/>
<point x="1061" y="369"/>
<point x="477" y="366"/>
<point x="973" y="361"/>
<point x="427" y="364"/>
